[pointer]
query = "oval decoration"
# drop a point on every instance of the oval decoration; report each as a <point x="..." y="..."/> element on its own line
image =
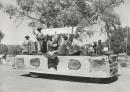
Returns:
<point x="74" y="64"/>
<point x="35" y="62"/>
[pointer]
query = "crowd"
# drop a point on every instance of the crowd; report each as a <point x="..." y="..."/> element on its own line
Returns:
<point x="62" y="44"/>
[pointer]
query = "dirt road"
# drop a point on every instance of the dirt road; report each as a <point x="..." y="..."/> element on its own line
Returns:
<point x="12" y="80"/>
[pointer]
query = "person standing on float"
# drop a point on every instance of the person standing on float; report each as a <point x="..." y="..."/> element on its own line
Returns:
<point x="39" y="36"/>
<point x="26" y="45"/>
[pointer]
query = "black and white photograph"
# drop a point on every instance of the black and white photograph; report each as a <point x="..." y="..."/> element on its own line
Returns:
<point x="64" y="46"/>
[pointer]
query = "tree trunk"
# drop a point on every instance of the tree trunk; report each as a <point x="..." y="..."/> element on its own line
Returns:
<point x="108" y="35"/>
<point x="109" y="41"/>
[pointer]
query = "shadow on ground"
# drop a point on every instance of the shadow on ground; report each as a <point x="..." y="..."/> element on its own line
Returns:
<point x="75" y="79"/>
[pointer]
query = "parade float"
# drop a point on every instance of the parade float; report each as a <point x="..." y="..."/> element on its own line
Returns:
<point x="93" y="66"/>
<point x="79" y="66"/>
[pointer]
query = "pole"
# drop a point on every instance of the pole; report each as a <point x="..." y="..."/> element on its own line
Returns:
<point x="126" y="41"/>
<point x="127" y="38"/>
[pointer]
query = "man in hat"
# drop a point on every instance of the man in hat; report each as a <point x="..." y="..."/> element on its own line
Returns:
<point x="39" y="36"/>
<point x="26" y="45"/>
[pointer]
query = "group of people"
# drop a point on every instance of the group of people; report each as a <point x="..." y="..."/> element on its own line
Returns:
<point x="98" y="48"/>
<point x="30" y="47"/>
<point x="62" y="44"/>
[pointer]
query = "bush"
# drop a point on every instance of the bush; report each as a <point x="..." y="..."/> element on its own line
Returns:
<point x="3" y="49"/>
<point x="14" y="49"/>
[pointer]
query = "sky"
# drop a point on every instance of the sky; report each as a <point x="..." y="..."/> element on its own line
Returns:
<point x="14" y="33"/>
<point x="124" y="13"/>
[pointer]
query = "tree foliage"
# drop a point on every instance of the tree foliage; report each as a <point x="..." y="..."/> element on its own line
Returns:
<point x="127" y="39"/>
<point x="117" y="37"/>
<point x="3" y="49"/>
<point x="120" y="40"/>
<point x="14" y="49"/>
<point x="61" y="13"/>
<point x="1" y="35"/>
<point x="105" y="10"/>
<point x="52" y="13"/>
<point x="1" y="5"/>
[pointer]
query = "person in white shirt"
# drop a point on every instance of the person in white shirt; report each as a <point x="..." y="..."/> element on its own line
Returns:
<point x="26" y="45"/>
<point x="39" y="36"/>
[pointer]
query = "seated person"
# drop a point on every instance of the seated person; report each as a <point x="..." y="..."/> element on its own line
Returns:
<point x="99" y="48"/>
<point x="90" y="50"/>
<point x="95" y="48"/>
<point x="62" y="49"/>
<point x="55" y="44"/>
<point x="76" y="45"/>
<point x="50" y="44"/>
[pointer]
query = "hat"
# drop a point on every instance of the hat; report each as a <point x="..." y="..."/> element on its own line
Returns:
<point x="27" y="36"/>
<point x="39" y="29"/>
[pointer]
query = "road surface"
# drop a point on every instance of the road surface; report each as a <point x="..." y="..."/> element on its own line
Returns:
<point x="13" y="80"/>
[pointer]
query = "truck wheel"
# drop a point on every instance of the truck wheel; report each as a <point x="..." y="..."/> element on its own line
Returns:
<point x="34" y="75"/>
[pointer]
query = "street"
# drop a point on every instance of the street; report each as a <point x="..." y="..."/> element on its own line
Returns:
<point x="13" y="80"/>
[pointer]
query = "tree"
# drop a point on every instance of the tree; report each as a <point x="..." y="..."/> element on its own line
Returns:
<point x="70" y="17"/>
<point x="1" y="35"/>
<point x="1" y="5"/>
<point x="36" y="11"/>
<point x="14" y="49"/>
<point x="127" y="39"/>
<point x="61" y="13"/>
<point x="118" y="45"/>
<point x="105" y="11"/>
<point x="3" y="49"/>
<point x="101" y="11"/>
<point x="120" y="40"/>
<point x="52" y="13"/>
